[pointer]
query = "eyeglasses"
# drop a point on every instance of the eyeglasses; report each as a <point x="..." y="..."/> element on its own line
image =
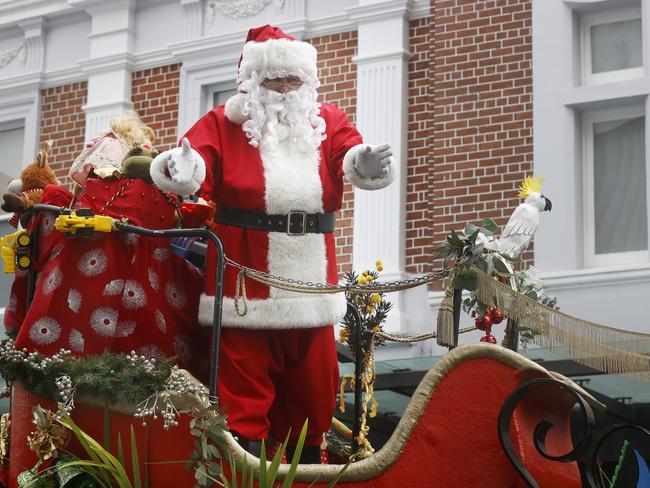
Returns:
<point x="276" y="84"/>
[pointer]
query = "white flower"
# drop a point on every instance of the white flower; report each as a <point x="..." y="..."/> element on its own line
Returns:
<point x="134" y="296"/>
<point x="44" y="331"/>
<point x="160" y="321"/>
<point x="74" y="300"/>
<point x="175" y="295"/>
<point x="92" y="263"/>
<point x="153" y="279"/>
<point x="76" y="340"/>
<point x="52" y="281"/>
<point x="113" y="288"/>
<point x="161" y="254"/>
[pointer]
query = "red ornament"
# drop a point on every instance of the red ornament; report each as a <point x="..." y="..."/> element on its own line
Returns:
<point x="478" y="321"/>
<point x="487" y="321"/>
<point x="489" y="338"/>
<point x="497" y="316"/>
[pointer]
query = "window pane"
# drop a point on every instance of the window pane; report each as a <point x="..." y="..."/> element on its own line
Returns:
<point x="616" y="45"/>
<point x="220" y="97"/>
<point x="620" y="186"/>
<point x="11" y="148"/>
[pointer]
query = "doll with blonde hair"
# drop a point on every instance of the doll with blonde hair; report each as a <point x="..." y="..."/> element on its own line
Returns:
<point x="104" y="153"/>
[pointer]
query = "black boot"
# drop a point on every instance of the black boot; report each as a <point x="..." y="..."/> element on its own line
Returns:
<point x="309" y="454"/>
<point x="254" y="447"/>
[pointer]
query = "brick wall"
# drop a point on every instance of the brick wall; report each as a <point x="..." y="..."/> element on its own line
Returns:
<point x="63" y="121"/>
<point x="338" y="75"/>
<point x="154" y="93"/>
<point x="419" y="205"/>
<point x="482" y="135"/>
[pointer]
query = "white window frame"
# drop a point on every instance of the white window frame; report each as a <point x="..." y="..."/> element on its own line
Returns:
<point x="9" y="125"/>
<point x="217" y="88"/>
<point x="588" y="20"/>
<point x="611" y="259"/>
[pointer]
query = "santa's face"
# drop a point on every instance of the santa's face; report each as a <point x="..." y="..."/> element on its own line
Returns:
<point x="283" y="110"/>
<point x="282" y="85"/>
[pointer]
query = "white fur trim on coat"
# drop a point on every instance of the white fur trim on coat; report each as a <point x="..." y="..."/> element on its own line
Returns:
<point x="359" y="181"/>
<point x="305" y="311"/>
<point x="277" y="57"/>
<point x="165" y="182"/>
<point x="233" y="109"/>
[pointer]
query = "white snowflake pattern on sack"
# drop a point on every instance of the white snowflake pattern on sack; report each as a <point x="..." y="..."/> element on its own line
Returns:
<point x="47" y="224"/>
<point x="76" y="341"/>
<point x="150" y="351"/>
<point x="161" y="254"/>
<point x="182" y="349"/>
<point x="113" y="288"/>
<point x="45" y="331"/>
<point x="74" y="300"/>
<point x="160" y="321"/>
<point x="104" y="322"/>
<point x="13" y="303"/>
<point x="92" y="263"/>
<point x="153" y="279"/>
<point x="52" y="281"/>
<point x="175" y="295"/>
<point x="134" y="296"/>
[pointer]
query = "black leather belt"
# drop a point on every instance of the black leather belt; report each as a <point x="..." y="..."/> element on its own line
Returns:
<point x="294" y="223"/>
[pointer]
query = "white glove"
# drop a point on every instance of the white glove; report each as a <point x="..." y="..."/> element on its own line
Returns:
<point x="185" y="167"/>
<point x="374" y="161"/>
<point x="180" y="162"/>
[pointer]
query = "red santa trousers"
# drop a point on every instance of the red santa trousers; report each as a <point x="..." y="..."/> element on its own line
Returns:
<point x="270" y="381"/>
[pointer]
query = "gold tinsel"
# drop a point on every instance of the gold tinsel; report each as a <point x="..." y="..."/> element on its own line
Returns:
<point x="607" y="349"/>
<point x="49" y="436"/>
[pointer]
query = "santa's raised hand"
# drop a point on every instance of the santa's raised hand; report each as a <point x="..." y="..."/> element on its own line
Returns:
<point x="180" y="170"/>
<point x="374" y="161"/>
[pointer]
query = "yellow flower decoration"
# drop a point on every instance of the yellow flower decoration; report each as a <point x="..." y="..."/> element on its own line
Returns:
<point x="375" y="298"/>
<point x="376" y="328"/>
<point x="379" y="265"/>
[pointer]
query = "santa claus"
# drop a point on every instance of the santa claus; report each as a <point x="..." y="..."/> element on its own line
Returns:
<point x="273" y="161"/>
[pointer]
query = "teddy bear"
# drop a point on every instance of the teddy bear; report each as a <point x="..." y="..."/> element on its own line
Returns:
<point x="27" y="190"/>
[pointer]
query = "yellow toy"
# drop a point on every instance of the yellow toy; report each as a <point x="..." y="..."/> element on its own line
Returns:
<point x="16" y="251"/>
<point x="78" y="224"/>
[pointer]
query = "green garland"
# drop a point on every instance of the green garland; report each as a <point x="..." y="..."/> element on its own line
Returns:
<point x="124" y="378"/>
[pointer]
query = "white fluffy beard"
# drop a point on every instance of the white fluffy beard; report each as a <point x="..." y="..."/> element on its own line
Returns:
<point x="290" y="118"/>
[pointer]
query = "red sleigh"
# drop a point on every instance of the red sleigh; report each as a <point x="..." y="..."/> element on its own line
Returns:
<point x="481" y="417"/>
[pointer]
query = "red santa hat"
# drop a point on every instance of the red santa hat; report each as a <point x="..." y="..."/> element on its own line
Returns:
<point x="273" y="53"/>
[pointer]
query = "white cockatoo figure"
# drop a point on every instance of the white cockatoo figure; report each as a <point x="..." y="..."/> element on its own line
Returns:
<point x="523" y="222"/>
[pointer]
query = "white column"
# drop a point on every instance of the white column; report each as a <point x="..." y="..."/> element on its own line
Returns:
<point x="382" y="99"/>
<point x="111" y="61"/>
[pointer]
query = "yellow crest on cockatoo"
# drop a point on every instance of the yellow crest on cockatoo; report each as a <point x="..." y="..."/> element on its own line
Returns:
<point x="531" y="185"/>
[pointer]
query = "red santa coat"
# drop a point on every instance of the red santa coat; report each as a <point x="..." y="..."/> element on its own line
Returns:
<point x="241" y="176"/>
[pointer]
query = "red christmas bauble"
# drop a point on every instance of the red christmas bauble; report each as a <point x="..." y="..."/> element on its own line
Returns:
<point x="487" y="321"/>
<point x="489" y="338"/>
<point x="497" y="316"/>
<point x="478" y="321"/>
